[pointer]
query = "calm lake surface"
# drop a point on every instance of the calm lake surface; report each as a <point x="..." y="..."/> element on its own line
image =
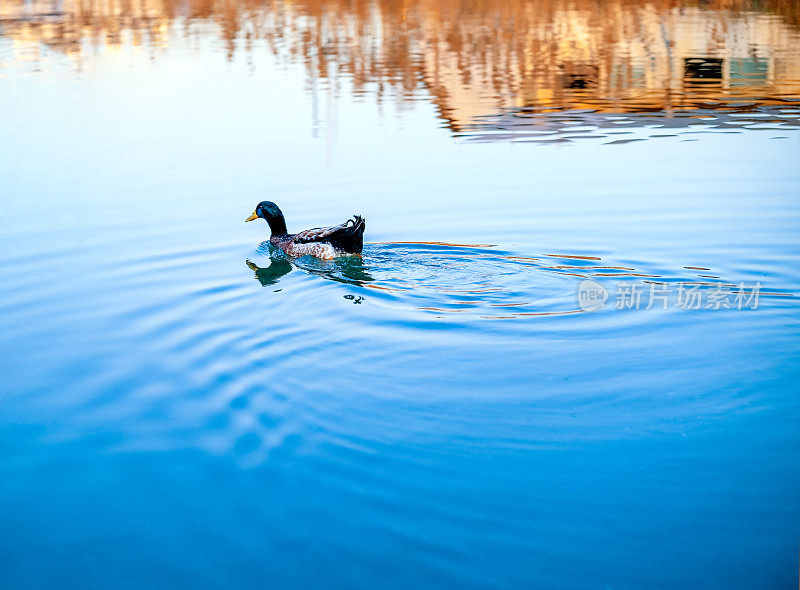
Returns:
<point x="182" y="407"/>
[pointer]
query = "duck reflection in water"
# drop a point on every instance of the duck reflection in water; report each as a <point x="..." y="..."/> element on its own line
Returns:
<point x="344" y="269"/>
<point x="270" y="275"/>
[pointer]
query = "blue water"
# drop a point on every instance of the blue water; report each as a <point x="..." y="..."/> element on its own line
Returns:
<point x="182" y="407"/>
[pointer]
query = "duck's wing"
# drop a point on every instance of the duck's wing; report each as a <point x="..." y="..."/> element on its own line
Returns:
<point x="348" y="236"/>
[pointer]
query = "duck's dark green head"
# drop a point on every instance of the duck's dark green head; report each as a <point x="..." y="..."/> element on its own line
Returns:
<point x="272" y="214"/>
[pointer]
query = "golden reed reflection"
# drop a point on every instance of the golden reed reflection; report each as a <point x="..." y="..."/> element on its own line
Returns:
<point x="472" y="57"/>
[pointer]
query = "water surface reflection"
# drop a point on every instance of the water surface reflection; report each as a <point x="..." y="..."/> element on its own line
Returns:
<point x="344" y="269"/>
<point x="473" y="60"/>
<point x="438" y="412"/>
<point x="485" y="282"/>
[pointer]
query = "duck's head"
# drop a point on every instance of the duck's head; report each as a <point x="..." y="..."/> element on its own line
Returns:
<point x="272" y="214"/>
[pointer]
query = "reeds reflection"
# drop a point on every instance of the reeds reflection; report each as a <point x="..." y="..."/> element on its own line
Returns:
<point x="472" y="58"/>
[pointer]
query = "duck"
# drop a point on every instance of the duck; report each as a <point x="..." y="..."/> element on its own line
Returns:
<point x="323" y="242"/>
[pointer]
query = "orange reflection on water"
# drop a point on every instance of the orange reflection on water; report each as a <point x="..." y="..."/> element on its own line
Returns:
<point x="472" y="58"/>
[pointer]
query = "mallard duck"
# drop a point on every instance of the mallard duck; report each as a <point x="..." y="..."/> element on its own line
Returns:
<point x="322" y="242"/>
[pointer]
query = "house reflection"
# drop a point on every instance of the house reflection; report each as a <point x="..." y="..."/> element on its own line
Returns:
<point x="579" y="75"/>
<point x="703" y="68"/>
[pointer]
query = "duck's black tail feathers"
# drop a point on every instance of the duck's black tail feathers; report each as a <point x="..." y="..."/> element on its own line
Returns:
<point x="347" y="237"/>
<point x="350" y="238"/>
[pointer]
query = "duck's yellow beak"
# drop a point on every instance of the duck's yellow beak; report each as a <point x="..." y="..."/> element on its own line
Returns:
<point x="252" y="217"/>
